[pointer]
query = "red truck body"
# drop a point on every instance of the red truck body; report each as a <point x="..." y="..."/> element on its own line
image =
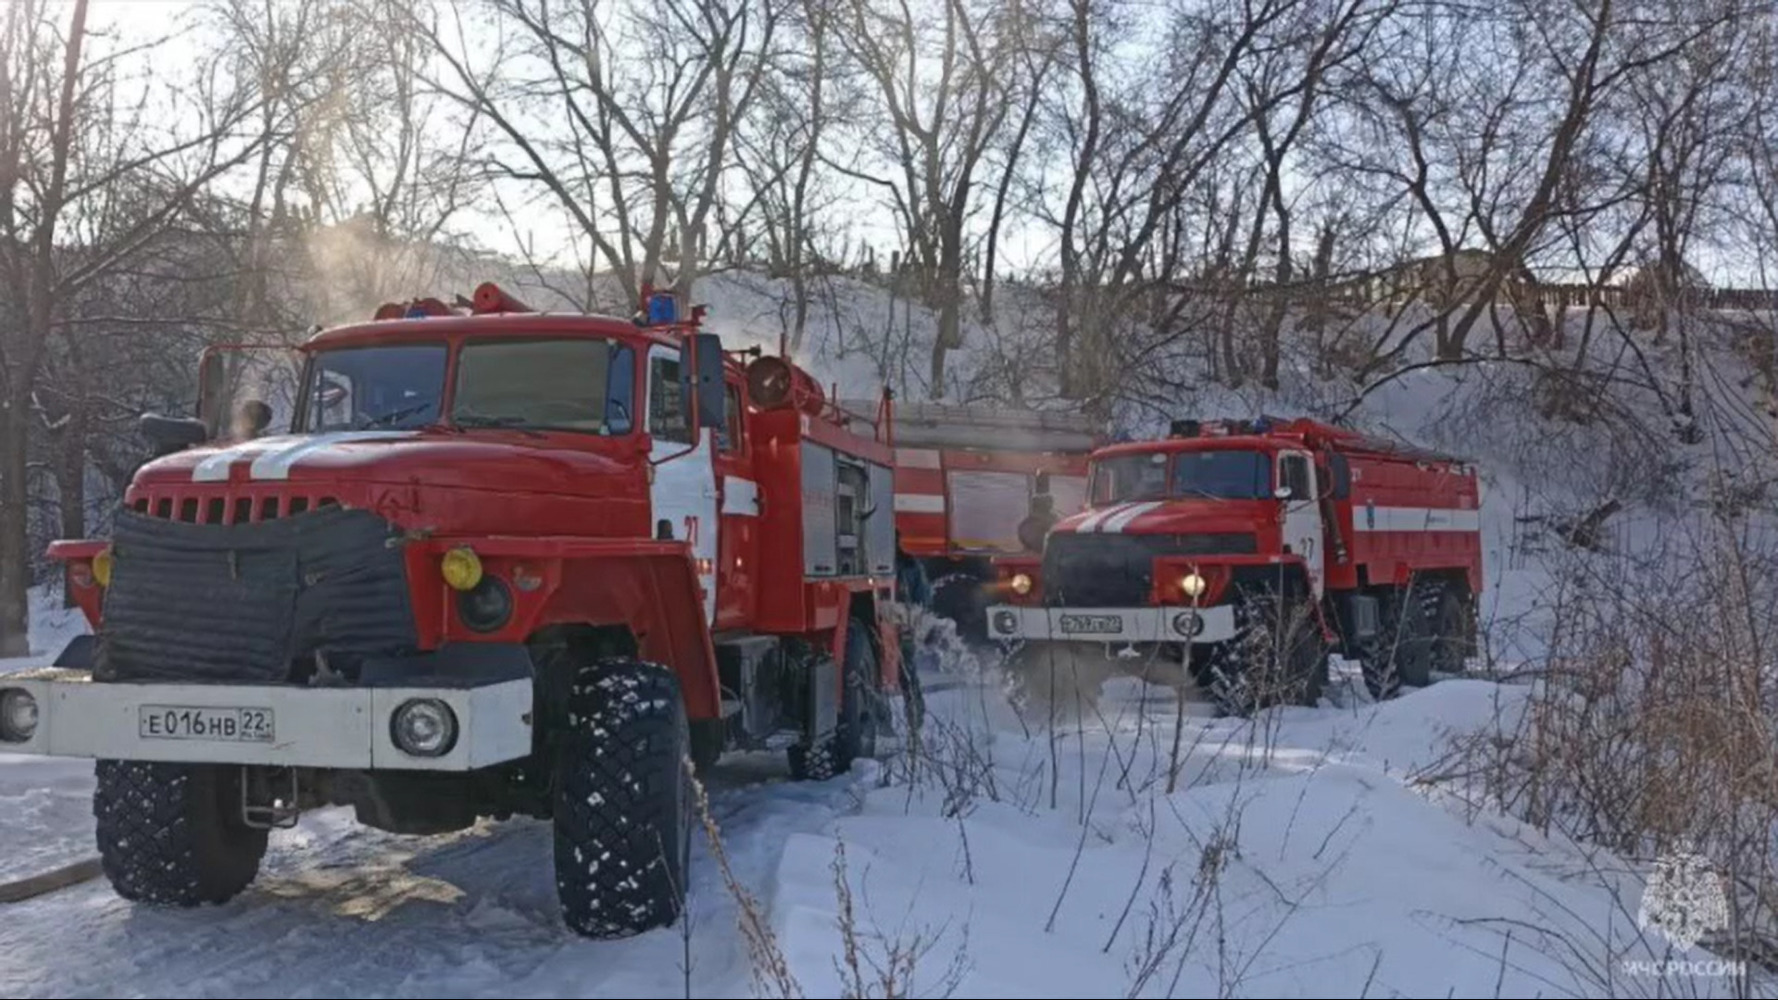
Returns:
<point x="974" y="483"/>
<point x="1383" y="540"/>
<point x="500" y="553"/>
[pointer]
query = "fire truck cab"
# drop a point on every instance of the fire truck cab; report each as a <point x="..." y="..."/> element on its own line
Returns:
<point x="1240" y="553"/>
<point x="504" y="562"/>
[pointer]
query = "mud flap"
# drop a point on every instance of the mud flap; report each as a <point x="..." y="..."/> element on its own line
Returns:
<point x="824" y="699"/>
<point x="1365" y="617"/>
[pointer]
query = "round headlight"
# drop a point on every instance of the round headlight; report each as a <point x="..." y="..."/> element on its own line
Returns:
<point x="424" y="727"/>
<point x="1021" y="584"/>
<point x="488" y="607"/>
<point x="1192" y="585"/>
<point x="18" y="715"/>
<point x="102" y="566"/>
<point x="1005" y="622"/>
<point x="461" y="568"/>
<point x="1188" y="623"/>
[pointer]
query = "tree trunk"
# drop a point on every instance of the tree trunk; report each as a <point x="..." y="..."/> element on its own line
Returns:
<point x="71" y="480"/>
<point x="15" y="562"/>
<point x="949" y="334"/>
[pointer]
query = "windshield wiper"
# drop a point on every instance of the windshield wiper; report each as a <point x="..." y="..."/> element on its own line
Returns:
<point x="392" y="416"/>
<point x="507" y="422"/>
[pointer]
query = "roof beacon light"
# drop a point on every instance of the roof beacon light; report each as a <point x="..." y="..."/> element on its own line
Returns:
<point x="663" y="308"/>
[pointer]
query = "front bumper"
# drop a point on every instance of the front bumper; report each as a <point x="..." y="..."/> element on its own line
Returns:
<point x="1009" y="622"/>
<point x="279" y="725"/>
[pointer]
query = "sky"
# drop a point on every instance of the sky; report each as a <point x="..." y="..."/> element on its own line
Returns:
<point x="538" y="223"/>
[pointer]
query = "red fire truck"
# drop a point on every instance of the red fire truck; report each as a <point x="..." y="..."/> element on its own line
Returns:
<point x="505" y="562"/>
<point x="974" y="483"/>
<point x="1243" y="552"/>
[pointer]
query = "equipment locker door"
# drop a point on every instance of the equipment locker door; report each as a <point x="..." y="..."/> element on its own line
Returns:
<point x="1302" y="513"/>
<point x="683" y="494"/>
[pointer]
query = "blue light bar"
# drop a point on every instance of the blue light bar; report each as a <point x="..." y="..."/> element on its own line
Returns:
<point x="663" y="308"/>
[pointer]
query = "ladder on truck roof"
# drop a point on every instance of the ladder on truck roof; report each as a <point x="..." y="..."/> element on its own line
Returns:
<point x="997" y="428"/>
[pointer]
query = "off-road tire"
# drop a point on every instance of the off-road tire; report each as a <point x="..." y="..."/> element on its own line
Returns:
<point x="861" y="712"/>
<point x="1422" y="631"/>
<point x="1270" y="661"/>
<point x="622" y="800"/>
<point x="1450" y="634"/>
<point x="172" y="834"/>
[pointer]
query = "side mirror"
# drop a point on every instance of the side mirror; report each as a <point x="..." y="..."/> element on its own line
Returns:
<point x="1281" y="491"/>
<point x="171" y="434"/>
<point x="701" y="353"/>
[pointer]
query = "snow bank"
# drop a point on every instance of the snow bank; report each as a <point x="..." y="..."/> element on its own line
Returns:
<point x="1296" y="858"/>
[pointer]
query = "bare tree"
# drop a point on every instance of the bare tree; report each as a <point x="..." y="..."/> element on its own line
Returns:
<point x="624" y="117"/>
<point x="778" y="148"/>
<point x="943" y="100"/>
<point x="1145" y="138"/>
<point x="66" y="153"/>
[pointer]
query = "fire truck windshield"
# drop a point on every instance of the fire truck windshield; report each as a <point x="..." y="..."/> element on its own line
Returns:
<point x="583" y="384"/>
<point x="569" y="384"/>
<point x="1217" y="475"/>
<point x="1223" y="475"/>
<point x="360" y="388"/>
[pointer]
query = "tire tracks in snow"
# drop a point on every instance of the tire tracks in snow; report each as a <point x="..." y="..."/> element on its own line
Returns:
<point x="341" y="909"/>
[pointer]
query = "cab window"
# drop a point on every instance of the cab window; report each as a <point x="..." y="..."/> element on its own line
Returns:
<point x="666" y="404"/>
<point x="1294" y="473"/>
<point x="729" y="438"/>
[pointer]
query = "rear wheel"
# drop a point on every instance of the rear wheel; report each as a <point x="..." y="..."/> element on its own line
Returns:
<point x="861" y="712"/>
<point x="1450" y="633"/>
<point x="622" y="808"/>
<point x="172" y="834"/>
<point x="1422" y="632"/>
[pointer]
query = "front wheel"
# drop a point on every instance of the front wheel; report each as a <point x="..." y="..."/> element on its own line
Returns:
<point x="1278" y="655"/>
<point x="172" y="834"/>
<point x="622" y="805"/>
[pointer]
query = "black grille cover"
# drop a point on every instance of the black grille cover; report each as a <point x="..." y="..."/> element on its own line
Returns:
<point x="243" y="602"/>
<point x="1090" y="570"/>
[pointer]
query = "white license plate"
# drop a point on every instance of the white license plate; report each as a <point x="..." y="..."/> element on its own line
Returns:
<point x="190" y="722"/>
<point x="1092" y="624"/>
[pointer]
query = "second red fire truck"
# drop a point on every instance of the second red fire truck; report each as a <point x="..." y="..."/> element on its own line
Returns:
<point x="1241" y="553"/>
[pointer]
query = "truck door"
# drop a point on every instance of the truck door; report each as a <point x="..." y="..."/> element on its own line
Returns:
<point x="1302" y="513"/>
<point x="683" y="494"/>
<point x="737" y="562"/>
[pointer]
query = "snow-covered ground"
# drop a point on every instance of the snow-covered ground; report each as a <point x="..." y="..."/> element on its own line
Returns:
<point x="1147" y="849"/>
